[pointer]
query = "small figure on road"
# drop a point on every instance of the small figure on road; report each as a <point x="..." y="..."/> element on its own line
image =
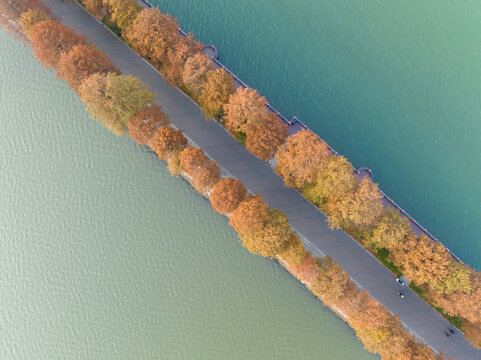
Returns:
<point x="401" y="295"/>
<point x="400" y="281"/>
<point x="451" y="331"/>
<point x="448" y="335"/>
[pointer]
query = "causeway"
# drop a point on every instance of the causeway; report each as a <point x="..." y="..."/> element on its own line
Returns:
<point x="365" y="270"/>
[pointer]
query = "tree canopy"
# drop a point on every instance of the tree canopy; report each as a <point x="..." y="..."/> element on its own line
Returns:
<point x="358" y="209"/>
<point x="250" y="215"/>
<point x="422" y="260"/>
<point x="245" y="107"/>
<point x="191" y="159"/>
<point x="195" y="72"/>
<point x="29" y="18"/>
<point x="184" y="48"/>
<point x="335" y="179"/>
<point x="152" y="34"/>
<point x="227" y="195"/>
<point x="271" y="237"/>
<point x="391" y="230"/>
<point x="167" y="141"/>
<point x="97" y="8"/>
<point x="83" y="61"/>
<point x="301" y="158"/>
<point x="146" y="123"/>
<point x="50" y="40"/>
<point x="114" y="99"/>
<point x="205" y="177"/>
<point x="122" y="12"/>
<point x="218" y="86"/>
<point x="265" y="136"/>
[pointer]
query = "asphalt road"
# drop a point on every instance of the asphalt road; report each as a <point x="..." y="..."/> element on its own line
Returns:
<point x="306" y="219"/>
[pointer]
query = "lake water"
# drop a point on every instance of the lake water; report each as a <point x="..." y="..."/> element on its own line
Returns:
<point x="104" y="255"/>
<point x="392" y="85"/>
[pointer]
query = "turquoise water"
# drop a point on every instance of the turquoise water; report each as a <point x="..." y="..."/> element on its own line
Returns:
<point x="392" y="85"/>
<point x="104" y="255"/>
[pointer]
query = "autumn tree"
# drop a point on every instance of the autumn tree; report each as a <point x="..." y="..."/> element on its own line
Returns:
<point x="122" y="12"/>
<point x="191" y="159"/>
<point x="194" y="73"/>
<point x="50" y="40"/>
<point x="293" y="253"/>
<point x="173" y="163"/>
<point x="11" y="11"/>
<point x="152" y="34"/>
<point x="271" y="237"/>
<point x="114" y="99"/>
<point x="184" y="48"/>
<point x="336" y="179"/>
<point x="462" y="304"/>
<point x="331" y="282"/>
<point x="358" y="209"/>
<point x="250" y="215"/>
<point x="301" y="158"/>
<point x="205" y="177"/>
<point x="29" y="18"/>
<point x="245" y="107"/>
<point x="307" y="270"/>
<point x="97" y="8"/>
<point x="422" y="260"/>
<point x="265" y="136"/>
<point x="217" y="88"/>
<point x="457" y="279"/>
<point x="391" y="230"/>
<point x="81" y="62"/>
<point x="365" y="312"/>
<point x="146" y="123"/>
<point x="227" y="195"/>
<point x="167" y="141"/>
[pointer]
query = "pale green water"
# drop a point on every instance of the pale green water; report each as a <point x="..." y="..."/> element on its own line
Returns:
<point x="393" y="85"/>
<point x="103" y="255"/>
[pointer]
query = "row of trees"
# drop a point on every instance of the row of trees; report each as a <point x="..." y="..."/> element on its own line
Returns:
<point x="305" y="163"/>
<point x="123" y="103"/>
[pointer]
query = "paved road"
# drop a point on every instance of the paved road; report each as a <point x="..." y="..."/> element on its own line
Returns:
<point x="363" y="268"/>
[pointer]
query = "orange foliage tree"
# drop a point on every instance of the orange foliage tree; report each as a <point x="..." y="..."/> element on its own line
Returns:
<point x="422" y="260"/>
<point x="391" y="230"/>
<point x="358" y="209"/>
<point x="293" y="253"/>
<point x="114" y="99"/>
<point x="216" y="90"/>
<point x="167" y="141"/>
<point x="29" y="18"/>
<point x="122" y="12"/>
<point x="271" y="237"/>
<point x="191" y="159"/>
<point x="265" y="136"/>
<point x="336" y="179"/>
<point x="205" y="177"/>
<point x="11" y="11"/>
<point x="245" y="107"/>
<point x="97" y="8"/>
<point x="307" y="270"/>
<point x="250" y="215"/>
<point x="331" y="282"/>
<point x="82" y="61"/>
<point x="301" y="158"/>
<point x="146" y="123"/>
<point x="184" y="48"/>
<point x="152" y="34"/>
<point x="51" y="39"/>
<point x="227" y="195"/>
<point x="194" y="73"/>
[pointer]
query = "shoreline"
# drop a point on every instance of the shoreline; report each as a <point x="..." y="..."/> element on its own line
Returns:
<point x="263" y="182"/>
